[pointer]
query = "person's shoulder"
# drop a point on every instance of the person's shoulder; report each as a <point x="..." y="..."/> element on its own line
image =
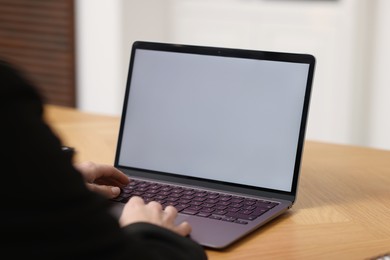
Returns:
<point x="9" y="68"/>
<point x="15" y="84"/>
<point x="6" y="66"/>
<point x="10" y="71"/>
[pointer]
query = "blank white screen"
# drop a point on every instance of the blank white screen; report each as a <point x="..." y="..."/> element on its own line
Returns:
<point x="228" y="119"/>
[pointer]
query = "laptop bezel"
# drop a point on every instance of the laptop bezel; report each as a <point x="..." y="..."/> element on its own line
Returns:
<point x="226" y="52"/>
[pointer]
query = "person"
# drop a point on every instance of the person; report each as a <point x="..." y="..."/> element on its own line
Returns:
<point x="53" y="208"/>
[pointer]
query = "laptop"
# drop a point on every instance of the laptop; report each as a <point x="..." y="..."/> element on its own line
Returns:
<point x="216" y="132"/>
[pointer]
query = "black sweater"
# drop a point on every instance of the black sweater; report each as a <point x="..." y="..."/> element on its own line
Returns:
<point x="46" y="210"/>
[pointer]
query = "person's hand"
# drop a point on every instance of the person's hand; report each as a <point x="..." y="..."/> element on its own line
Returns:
<point x="136" y="210"/>
<point x="102" y="178"/>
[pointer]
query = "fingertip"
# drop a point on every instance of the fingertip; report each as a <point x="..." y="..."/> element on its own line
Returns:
<point x="155" y="205"/>
<point x="115" y="191"/>
<point x="188" y="226"/>
<point x="137" y="199"/>
<point x="184" y="228"/>
<point x="171" y="209"/>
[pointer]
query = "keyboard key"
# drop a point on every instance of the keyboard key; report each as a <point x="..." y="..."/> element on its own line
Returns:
<point x="189" y="211"/>
<point x="203" y="214"/>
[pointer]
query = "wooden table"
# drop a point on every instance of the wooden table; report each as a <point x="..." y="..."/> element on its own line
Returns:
<point x="342" y="209"/>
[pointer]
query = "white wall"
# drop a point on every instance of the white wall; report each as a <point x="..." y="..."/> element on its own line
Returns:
<point x="379" y="84"/>
<point x="99" y="73"/>
<point x="105" y="30"/>
<point x="348" y="37"/>
<point x="330" y="30"/>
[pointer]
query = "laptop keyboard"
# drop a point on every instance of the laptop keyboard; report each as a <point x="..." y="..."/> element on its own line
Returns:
<point x="201" y="203"/>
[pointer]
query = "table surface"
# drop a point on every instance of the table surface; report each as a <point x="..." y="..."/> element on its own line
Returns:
<point x="342" y="209"/>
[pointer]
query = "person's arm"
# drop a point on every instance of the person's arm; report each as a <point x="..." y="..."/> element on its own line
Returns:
<point x="152" y="247"/>
<point x="48" y="210"/>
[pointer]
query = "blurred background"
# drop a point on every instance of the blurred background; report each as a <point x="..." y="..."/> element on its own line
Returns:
<point x="77" y="51"/>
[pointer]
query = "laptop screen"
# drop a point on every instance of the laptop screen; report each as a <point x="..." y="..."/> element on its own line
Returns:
<point x="223" y="118"/>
